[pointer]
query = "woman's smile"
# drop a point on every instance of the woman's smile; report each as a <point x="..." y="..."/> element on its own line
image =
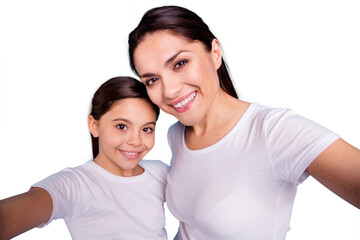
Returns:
<point x="184" y="103"/>
<point x="180" y="75"/>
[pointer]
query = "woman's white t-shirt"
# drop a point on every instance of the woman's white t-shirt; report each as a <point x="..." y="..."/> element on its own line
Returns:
<point x="243" y="186"/>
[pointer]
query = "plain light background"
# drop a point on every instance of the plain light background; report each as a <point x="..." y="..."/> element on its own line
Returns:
<point x="303" y="55"/>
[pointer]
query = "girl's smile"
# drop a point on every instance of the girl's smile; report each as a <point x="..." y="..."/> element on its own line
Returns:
<point x="130" y="154"/>
<point x="126" y="134"/>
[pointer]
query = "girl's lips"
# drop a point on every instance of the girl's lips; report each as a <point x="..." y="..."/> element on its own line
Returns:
<point x="130" y="154"/>
<point x="184" y="103"/>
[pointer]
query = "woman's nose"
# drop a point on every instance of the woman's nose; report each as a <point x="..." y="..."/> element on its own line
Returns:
<point x="171" y="87"/>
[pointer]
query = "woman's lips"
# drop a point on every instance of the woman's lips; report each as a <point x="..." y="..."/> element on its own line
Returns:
<point x="184" y="103"/>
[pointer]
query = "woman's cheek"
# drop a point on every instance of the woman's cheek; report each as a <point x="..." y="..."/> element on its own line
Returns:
<point x="155" y="96"/>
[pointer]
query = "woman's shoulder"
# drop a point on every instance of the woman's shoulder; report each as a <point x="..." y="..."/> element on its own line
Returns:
<point x="176" y="127"/>
<point x="263" y="112"/>
<point x="176" y="133"/>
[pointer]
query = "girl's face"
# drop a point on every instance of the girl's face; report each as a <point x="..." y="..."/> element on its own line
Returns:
<point x="126" y="134"/>
<point x="180" y="75"/>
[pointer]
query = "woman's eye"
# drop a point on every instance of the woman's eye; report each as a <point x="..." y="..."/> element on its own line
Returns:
<point x="121" y="126"/>
<point x="151" y="81"/>
<point x="148" y="130"/>
<point x="180" y="64"/>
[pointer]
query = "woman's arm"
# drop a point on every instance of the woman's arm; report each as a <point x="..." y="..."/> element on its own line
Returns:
<point x="338" y="169"/>
<point x="23" y="212"/>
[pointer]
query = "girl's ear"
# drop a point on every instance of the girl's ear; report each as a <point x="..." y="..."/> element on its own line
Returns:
<point x="216" y="52"/>
<point x="93" y="126"/>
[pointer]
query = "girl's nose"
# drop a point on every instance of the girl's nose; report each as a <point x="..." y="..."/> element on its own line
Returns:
<point x="134" y="139"/>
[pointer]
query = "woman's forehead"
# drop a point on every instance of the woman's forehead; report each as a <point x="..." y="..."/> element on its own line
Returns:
<point x="163" y="45"/>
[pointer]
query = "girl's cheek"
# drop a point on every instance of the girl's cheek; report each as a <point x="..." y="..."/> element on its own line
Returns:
<point x="150" y="141"/>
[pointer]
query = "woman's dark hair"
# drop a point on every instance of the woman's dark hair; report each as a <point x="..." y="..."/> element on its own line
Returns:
<point x="183" y="22"/>
<point x="114" y="89"/>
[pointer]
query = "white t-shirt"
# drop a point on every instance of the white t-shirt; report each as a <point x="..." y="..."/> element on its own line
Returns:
<point x="243" y="186"/>
<point x="96" y="204"/>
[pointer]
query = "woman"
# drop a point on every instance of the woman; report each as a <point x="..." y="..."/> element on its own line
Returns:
<point x="235" y="165"/>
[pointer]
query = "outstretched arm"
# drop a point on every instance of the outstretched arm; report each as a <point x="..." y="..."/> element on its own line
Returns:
<point x="23" y="212"/>
<point x="338" y="169"/>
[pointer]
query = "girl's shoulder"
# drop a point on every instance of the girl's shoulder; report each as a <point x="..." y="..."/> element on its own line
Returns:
<point x="156" y="168"/>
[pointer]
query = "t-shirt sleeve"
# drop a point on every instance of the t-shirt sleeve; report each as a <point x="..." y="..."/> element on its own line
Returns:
<point x="175" y="138"/>
<point x="293" y="142"/>
<point x="158" y="169"/>
<point x="63" y="192"/>
<point x="173" y="133"/>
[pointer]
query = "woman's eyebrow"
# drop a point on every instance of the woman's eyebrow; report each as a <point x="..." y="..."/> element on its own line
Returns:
<point x="146" y="75"/>
<point x="174" y="56"/>
<point x="167" y="62"/>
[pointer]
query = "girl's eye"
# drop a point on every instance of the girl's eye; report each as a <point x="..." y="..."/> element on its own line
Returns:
<point x="148" y="130"/>
<point x="151" y="81"/>
<point x="121" y="126"/>
<point x="180" y="64"/>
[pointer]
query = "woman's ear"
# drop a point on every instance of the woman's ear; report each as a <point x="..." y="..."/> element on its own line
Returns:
<point x="216" y="52"/>
<point x="93" y="126"/>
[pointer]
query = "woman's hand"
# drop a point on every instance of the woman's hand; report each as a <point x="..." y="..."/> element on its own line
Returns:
<point x="338" y="169"/>
<point x="23" y="212"/>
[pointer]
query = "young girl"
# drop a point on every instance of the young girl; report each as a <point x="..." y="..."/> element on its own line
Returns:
<point x="117" y="195"/>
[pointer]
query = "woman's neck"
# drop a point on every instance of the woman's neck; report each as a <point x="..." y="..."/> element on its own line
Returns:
<point x="223" y="115"/>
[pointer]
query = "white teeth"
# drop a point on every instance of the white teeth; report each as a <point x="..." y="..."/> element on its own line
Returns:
<point x="186" y="101"/>
<point x="131" y="153"/>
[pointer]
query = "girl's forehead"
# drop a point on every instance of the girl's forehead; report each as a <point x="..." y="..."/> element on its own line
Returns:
<point x="136" y="107"/>
<point x="129" y="103"/>
<point x="133" y="111"/>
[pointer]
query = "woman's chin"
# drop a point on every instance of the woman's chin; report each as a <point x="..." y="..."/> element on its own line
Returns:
<point x="188" y="121"/>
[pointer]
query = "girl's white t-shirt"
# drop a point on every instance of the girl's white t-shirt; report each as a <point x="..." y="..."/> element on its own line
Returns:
<point x="96" y="204"/>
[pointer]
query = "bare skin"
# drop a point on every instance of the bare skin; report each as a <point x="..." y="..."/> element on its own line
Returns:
<point x="338" y="169"/>
<point x="208" y="133"/>
<point x="23" y="212"/>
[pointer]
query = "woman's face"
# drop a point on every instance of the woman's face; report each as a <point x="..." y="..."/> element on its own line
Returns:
<point x="180" y="75"/>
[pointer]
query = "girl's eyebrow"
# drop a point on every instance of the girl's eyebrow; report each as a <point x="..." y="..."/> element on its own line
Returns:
<point x="154" y="123"/>
<point x="121" y="119"/>
<point x="128" y="121"/>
